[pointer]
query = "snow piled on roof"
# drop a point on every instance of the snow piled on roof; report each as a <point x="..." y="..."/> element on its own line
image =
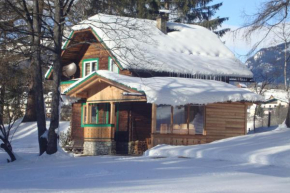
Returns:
<point x="139" y="44"/>
<point x="279" y="94"/>
<point x="180" y="91"/>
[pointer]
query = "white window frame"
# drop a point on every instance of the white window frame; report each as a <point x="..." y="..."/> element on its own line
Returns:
<point x="90" y="61"/>
<point x="111" y="64"/>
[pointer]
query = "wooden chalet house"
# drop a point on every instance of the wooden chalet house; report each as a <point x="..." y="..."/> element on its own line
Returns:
<point x="138" y="83"/>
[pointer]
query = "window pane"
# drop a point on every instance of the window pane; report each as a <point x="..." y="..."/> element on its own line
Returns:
<point x="87" y="68"/>
<point x="100" y="113"/>
<point x="180" y="120"/>
<point x="163" y="119"/>
<point x="110" y="64"/>
<point x="94" y="113"/>
<point x="115" y="68"/>
<point x="196" y="118"/>
<point x="179" y="115"/>
<point x="94" y="66"/>
<point x="85" y="114"/>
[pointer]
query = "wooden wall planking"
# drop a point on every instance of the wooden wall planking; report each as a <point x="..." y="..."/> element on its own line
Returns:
<point x="106" y="93"/>
<point x="225" y="120"/>
<point x="77" y="131"/>
<point x="98" y="134"/>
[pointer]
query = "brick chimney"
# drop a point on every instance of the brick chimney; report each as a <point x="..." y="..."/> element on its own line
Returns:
<point x="162" y="23"/>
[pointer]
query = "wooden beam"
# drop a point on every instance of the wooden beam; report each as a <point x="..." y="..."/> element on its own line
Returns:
<point x="82" y="95"/>
<point x="87" y="113"/>
<point x="90" y="113"/>
<point x="112" y="118"/>
<point x="112" y="113"/>
<point x="85" y="86"/>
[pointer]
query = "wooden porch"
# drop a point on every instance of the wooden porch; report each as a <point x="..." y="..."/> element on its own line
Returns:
<point x="219" y="121"/>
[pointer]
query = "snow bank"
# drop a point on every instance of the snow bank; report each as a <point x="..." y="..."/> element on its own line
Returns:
<point x="179" y="91"/>
<point x="269" y="148"/>
<point x="25" y="143"/>
<point x="189" y="49"/>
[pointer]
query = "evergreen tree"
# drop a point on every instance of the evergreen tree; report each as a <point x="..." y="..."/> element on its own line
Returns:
<point x="195" y="12"/>
<point x="185" y="11"/>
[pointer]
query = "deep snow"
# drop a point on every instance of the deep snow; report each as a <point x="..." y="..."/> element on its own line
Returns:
<point x="222" y="166"/>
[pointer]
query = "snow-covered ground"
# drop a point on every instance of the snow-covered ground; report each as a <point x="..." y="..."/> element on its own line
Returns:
<point x="252" y="163"/>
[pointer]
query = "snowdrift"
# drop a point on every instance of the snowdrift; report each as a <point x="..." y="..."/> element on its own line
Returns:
<point x="269" y="148"/>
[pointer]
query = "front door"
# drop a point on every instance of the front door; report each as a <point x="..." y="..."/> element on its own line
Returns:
<point x="123" y="116"/>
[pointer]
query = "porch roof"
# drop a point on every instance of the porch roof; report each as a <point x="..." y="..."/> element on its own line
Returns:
<point x="177" y="91"/>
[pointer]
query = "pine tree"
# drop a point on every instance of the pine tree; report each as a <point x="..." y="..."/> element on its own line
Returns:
<point x="195" y="12"/>
<point x="185" y="11"/>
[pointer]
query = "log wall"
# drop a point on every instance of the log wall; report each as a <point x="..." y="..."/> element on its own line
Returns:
<point x="96" y="50"/>
<point x="223" y="120"/>
<point x="105" y="93"/>
<point x="98" y="133"/>
<point x="77" y="131"/>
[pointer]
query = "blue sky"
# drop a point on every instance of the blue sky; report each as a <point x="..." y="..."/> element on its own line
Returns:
<point x="234" y="9"/>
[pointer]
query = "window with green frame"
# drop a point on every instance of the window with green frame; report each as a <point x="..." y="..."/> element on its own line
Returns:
<point x="112" y="66"/>
<point x="97" y="113"/>
<point x="90" y="65"/>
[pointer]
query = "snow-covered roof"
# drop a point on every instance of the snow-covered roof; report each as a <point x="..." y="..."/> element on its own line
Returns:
<point x="278" y="94"/>
<point x="178" y="91"/>
<point x="188" y="49"/>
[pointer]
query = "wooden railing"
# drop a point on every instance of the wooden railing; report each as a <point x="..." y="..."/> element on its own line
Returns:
<point x="177" y="139"/>
<point x="179" y="129"/>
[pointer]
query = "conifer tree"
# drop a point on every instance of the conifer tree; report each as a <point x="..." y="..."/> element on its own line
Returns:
<point x="198" y="12"/>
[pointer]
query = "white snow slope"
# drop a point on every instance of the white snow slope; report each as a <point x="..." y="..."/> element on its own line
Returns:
<point x="252" y="163"/>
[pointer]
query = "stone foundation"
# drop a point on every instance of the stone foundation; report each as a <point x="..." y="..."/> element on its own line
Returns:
<point x="99" y="147"/>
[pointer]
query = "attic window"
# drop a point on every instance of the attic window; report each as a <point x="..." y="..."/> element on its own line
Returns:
<point x="90" y="65"/>
<point x="112" y="66"/>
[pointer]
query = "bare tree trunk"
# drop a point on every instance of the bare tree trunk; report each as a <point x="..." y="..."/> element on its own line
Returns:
<point x="55" y="103"/>
<point x="285" y="67"/>
<point x="30" y="112"/>
<point x="38" y="88"/>
<point x="7" y="148"/>
<point x="2" y="96"/>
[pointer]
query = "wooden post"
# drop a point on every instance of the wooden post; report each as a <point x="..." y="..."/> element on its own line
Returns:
<point x="153" y="121"/>
<point x="87" y="117"/>
<point x="112" y="113"/>
<point x="112" y="118"/>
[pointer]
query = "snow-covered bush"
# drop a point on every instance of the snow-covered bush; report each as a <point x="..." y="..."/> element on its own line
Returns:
<point x="65" y="138"/>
